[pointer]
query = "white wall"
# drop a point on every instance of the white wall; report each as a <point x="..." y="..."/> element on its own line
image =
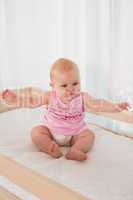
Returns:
<point x="96" y="34"/>
<point x="35" y="33"/>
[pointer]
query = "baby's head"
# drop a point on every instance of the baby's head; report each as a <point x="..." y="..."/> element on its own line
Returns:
<point x="65" y="79"/>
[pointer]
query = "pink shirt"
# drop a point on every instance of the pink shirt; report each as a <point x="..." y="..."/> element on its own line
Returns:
<point x="66" y="119"/>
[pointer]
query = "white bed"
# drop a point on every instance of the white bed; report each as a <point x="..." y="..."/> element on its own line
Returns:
<point x="106" y="175"/>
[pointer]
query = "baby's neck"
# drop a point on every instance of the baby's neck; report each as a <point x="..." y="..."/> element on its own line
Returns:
<point x="66" y="101"/>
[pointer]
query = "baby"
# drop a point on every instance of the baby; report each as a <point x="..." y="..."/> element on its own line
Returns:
<point x="63" y="120"/>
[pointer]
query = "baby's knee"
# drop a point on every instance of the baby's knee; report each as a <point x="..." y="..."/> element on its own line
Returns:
<point x="34" y="135"/>
<point x="38" y="133"/>
<point x="91" y="136"/>
<point x="35" y="132"/>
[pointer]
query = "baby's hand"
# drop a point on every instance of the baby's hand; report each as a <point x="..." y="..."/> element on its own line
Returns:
<point x="122" y="106"/>
<point x="9" y="96"/>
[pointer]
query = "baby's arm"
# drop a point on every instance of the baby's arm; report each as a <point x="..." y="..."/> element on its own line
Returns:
<point x="101" y="105"/>
<point x="27" y="97"/>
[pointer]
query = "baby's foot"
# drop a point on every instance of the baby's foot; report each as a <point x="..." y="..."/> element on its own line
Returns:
<point x="54" y="150"/>
<point x="75" y="154"/>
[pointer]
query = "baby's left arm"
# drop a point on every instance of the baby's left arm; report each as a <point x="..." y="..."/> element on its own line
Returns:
<point x="101" y="105"/>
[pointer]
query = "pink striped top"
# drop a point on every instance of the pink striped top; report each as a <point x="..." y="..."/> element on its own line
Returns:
<point x="66" y="119"/>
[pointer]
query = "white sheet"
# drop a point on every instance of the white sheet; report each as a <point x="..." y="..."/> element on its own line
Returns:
<point x="106" y="175"/>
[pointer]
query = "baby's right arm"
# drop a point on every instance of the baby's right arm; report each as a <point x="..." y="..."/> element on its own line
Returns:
<point x="26" y="98"/>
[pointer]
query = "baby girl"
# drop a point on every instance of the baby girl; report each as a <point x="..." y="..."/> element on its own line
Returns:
<point x="63" y="120"/>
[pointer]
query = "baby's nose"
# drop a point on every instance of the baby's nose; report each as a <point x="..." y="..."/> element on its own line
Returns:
<point x="70" y="89"/>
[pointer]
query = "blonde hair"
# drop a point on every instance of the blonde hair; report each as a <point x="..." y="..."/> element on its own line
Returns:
<point x="62" y="64"/>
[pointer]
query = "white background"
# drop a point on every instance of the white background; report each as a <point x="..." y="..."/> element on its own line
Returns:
<point x="96" y="34"/>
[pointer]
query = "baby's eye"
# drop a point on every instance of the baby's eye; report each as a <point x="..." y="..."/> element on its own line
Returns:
<point x="65" y="85"/>
<point x="76" y="83"/>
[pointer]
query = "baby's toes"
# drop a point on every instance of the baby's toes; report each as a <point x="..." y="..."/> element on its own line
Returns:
<point x="74" y="154"/>
<point x="55" y="150"/>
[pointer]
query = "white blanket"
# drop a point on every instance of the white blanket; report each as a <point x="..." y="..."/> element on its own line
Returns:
<point x="106" y="175"/>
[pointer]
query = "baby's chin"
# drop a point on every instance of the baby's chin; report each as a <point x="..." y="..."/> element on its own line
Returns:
<point x="71" y="97"/>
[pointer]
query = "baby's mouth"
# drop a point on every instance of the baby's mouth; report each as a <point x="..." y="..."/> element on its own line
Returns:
<point x="71" y="96"/>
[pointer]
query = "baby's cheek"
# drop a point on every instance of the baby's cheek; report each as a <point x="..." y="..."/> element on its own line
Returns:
<point x="60" y="92"/>
<point x="77" y="89"/>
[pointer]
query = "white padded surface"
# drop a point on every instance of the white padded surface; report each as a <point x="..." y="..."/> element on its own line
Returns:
<point x="106" y="175"/>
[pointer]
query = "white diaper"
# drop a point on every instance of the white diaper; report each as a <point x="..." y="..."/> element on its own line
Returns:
<point x="62" y="140"/>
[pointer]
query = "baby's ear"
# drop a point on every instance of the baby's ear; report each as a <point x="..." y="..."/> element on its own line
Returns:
<point x="50" y="84"/>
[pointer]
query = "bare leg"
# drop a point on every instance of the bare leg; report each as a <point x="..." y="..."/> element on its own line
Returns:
<point x="43" y="139"/>
<point x="81" y="144"/>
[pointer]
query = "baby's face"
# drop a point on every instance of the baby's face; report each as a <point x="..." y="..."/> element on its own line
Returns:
<point x="67" y="84"/>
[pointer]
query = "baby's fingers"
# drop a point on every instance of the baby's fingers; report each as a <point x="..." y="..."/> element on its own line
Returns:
<point x="8" y="95"/>
<point x="124" y="105"/>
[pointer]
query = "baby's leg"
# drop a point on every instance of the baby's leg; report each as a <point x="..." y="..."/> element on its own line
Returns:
<point x="81" y="144"/>
<point x="43" y="139"/>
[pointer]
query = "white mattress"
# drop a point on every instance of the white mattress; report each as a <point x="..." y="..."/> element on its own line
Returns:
<point x="106" y="175"/>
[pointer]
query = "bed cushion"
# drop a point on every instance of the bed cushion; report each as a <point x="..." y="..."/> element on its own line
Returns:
<point x="106" y="175"/>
